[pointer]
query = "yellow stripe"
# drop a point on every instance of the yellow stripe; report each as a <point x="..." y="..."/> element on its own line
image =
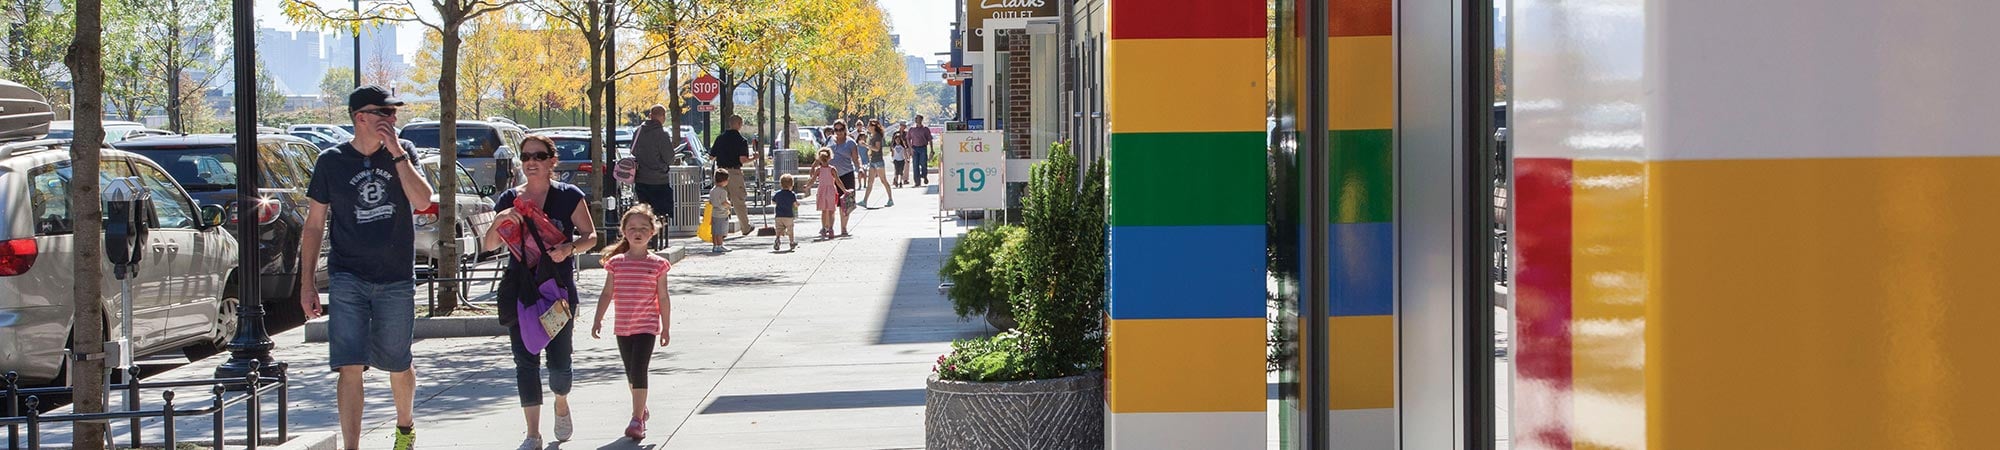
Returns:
<point x="1186" y="365"/>
<point x="1185" y="85"/>
<point x="1361" y="83"/>
<point x="1824" y="304"/>
<point x="1361" y="358"/>
<point x="1608" y="288"/>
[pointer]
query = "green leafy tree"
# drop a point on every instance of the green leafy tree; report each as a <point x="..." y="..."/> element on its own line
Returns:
<point x="158" y="44"/>
<point x="1059" y="298"/>
<point x="38" y="36"/>
<point x="335" y="85"/>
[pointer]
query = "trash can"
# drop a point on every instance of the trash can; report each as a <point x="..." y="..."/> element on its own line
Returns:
<point x="785" y="162"/>
<point x="687" y="200"/>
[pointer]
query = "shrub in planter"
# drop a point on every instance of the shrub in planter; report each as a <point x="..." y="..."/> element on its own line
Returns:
<point x="978" y="269"/>
<point x="1039" y="386"/>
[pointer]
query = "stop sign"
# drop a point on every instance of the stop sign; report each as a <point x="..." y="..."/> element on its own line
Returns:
<point x="706" y="88"/>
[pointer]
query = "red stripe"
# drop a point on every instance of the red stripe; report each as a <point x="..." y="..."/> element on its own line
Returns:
<point x="1186" y="19"/>
<point x="1360" y="18"/>
<point x="1542" y="312"/>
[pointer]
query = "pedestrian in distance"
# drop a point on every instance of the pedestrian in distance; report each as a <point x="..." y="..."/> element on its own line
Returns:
<point x="787" y="204"/>
<point x="731" y="151"/>
<point x="920" y="155"/>
<point x="653" y="147"/>
<point x="636" y="288"/>
<point x="878" y="172"/>
<point x="846" y="161"/>
<point x="900" y="151"/>
<point x="829" y="188"/>
<point x="369" y="189"/>
<point x="542" y="223"/>
<point x="718" y="219"/>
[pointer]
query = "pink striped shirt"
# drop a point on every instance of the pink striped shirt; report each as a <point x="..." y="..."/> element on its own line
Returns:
<point x="635" y="293"/>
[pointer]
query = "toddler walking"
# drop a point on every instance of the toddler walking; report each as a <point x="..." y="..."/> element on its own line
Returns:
<point x="637" y="289"/>
<point x="787" y="203"/>
<point x="718" y="209"/>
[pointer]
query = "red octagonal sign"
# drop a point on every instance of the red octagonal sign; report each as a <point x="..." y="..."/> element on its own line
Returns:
<point x="706" y="88"/>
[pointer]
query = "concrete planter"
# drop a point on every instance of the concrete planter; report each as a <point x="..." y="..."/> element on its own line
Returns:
<point x="1001" y="319"/>
<point x="1063" y="413"/>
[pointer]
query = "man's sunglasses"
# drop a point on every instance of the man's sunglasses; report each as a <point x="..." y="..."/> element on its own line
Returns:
<point x="384" y="112"/>
<point x="538" y="156"/>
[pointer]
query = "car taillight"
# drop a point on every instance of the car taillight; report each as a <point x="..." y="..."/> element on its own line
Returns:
<point x="267" y="211"/>
<point x="585" y="167"/>
<point x="16" y="256"/>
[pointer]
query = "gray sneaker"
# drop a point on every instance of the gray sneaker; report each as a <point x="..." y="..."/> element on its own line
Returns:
<point x="565" y="426"/>
<point x="531" y="443"/>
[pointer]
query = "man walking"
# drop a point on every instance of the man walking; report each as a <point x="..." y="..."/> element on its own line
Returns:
<point x="920" y="151"/>
<point x="654" y="148"/>
<point x="371" y="188"/>
<point x="731" y="152"/>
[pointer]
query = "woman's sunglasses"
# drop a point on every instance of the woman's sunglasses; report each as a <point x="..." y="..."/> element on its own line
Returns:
<point x="538" y="156"/>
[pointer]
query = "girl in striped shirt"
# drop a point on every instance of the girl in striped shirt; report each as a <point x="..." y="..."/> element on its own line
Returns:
<point x="637" y="289"/>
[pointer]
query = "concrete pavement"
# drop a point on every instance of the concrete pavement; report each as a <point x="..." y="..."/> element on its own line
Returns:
<point x="825" y="347"/>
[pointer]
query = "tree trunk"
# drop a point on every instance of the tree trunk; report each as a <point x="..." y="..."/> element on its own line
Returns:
<point x="602" y="176"/>
<point x="86" y="66"/>
<point x="674" y="71"/>
<point x="789" y="133"/>
<point x="174" y="121"/>
<point x="727" y="97"/>
<point x="447" y="218"/>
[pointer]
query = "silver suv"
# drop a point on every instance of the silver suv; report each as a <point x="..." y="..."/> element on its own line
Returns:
<point x="183" y="296"/>
<point x="485" y="148"/>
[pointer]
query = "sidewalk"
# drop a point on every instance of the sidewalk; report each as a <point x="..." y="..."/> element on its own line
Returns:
<point x="826" y="347"/>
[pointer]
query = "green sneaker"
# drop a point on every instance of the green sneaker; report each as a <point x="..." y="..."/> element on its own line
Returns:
<point x="406" y="440"/>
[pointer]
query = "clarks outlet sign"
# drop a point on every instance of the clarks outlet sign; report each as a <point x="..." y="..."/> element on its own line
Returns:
<point x="977" y="11"/>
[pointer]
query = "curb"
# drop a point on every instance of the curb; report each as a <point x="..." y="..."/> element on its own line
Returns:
<point x="324" y="440"/>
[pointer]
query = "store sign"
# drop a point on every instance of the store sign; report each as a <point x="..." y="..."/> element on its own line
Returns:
<point x="977" y="11"/>
<point x="974" y="166"/>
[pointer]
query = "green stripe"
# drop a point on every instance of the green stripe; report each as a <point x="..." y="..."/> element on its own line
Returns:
<point x="1364" y="185"/>
<point x="1180" y="179"/>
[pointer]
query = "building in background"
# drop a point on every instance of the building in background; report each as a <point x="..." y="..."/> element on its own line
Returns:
<point x="918" y="69"/>
<point x="294" y="57"/>
<point x="378" y="53"/>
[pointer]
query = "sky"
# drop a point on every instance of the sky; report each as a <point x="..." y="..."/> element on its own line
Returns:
<point x="925" y="25"/>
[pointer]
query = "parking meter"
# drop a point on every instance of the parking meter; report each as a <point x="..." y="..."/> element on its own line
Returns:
<point x="126" y="208"/>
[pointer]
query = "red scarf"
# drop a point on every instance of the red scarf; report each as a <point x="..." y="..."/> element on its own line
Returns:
<point x="544" y="229"/>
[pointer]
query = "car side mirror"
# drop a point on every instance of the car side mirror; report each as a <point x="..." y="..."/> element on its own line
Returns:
<point x="487" y="190"/>
<point x="212" y="216"/>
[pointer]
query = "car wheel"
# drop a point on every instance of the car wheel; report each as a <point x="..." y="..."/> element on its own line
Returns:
<point x="223" y="330"/>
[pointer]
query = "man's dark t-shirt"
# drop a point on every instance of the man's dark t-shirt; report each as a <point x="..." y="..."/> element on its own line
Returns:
<point x="787" y="202"/>
<point x="370" y="232"/>
<point x="729" y="149"/>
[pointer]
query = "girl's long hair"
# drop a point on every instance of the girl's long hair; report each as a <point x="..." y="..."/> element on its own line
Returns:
<point x="639" y="210"/>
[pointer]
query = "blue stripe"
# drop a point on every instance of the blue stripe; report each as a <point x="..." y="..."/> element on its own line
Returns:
<point x="1363" y="258"/>
<point x="1187" y="272"/>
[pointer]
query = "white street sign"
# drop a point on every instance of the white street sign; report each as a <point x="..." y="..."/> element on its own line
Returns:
<point x="974" y="166"/>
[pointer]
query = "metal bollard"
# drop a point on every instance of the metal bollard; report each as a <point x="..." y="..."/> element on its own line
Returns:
<point x="167" y="413"/>
<point x="34" y="422"/>
<point x="284" y="403"/>
<point x="218" y="414"/>
<point x="256" y="414"/>
<point x="13" y="408"/>
<point x="132" y="401"/>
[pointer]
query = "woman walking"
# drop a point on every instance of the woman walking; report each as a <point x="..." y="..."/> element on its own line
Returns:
<point x="538" y="223"/>
<point x="876" y="170"/>
<point x="637" y="289"/>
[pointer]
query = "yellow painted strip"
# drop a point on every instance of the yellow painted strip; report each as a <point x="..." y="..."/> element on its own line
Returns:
<point x="1608" y="289"/>
<point x="1186" y="365"/>
<point x="1361" y="83"/>
<point x="1185" y="85"/>
<point x="1361" y="360"/>
<point x="1824" y="304"/>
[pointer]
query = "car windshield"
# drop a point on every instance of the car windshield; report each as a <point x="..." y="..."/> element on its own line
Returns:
<point x="573" y="149"/>
<point x="477" y="142"/>
<point x="197" y="169"/>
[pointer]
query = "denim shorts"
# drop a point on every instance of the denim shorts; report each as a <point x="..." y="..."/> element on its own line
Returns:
<point x="875" y="164"/>
<point x="370" y="324"/>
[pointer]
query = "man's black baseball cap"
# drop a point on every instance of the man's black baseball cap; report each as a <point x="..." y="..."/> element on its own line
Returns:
<point x="370" y="95"/>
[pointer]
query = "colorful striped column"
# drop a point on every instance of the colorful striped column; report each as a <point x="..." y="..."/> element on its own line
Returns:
<point x="1361" y="102"/>
<point x="1756" y="225"/>
<point x="1186" y="103"/>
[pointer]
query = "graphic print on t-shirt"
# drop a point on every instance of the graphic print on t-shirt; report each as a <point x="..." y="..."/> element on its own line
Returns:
<point x="373" y="184"/>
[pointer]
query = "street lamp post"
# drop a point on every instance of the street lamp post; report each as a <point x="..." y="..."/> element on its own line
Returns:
<point x="357" y="47"/>
<point x="250" y="350"/>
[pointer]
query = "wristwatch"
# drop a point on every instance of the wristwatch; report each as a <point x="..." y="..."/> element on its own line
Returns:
<point x="405" y="157"/>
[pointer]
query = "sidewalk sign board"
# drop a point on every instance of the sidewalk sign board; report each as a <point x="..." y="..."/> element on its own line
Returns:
<point x="973" y="165"/>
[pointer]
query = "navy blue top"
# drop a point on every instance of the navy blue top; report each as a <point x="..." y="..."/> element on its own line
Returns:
<point x="788" y="203"/>
<point x="371" y="233"/>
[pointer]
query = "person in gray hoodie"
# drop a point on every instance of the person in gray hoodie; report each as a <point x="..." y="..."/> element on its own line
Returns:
<point x="654" y="148"/>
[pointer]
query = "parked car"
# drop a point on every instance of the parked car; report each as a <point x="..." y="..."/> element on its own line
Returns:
<point x="336" y="132"/>
<point x="184" y="293"/>
<point x="148" y="132"/>
<point x="206" y="166"/>
<point x="475" y="212"/>
<point x="318" y="139"/>
<point x="485" y="148"/>
<point x="114" y="130"/>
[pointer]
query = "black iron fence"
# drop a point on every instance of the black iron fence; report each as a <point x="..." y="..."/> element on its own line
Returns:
<point x="25" y="426"/>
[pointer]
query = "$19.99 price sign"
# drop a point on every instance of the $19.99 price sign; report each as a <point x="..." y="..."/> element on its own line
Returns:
<point x="974" y="165"/>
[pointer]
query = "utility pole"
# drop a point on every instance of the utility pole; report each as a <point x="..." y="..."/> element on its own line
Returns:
<point x="250" y="350"/>
<point x="357" y="48"/>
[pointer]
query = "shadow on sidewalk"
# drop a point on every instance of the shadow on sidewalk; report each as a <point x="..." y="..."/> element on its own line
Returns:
<point x="917" y="312"/>
<point x="815" y="400"/>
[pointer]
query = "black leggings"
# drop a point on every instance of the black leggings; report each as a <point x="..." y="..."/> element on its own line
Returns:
<point x="637" y="351"/>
